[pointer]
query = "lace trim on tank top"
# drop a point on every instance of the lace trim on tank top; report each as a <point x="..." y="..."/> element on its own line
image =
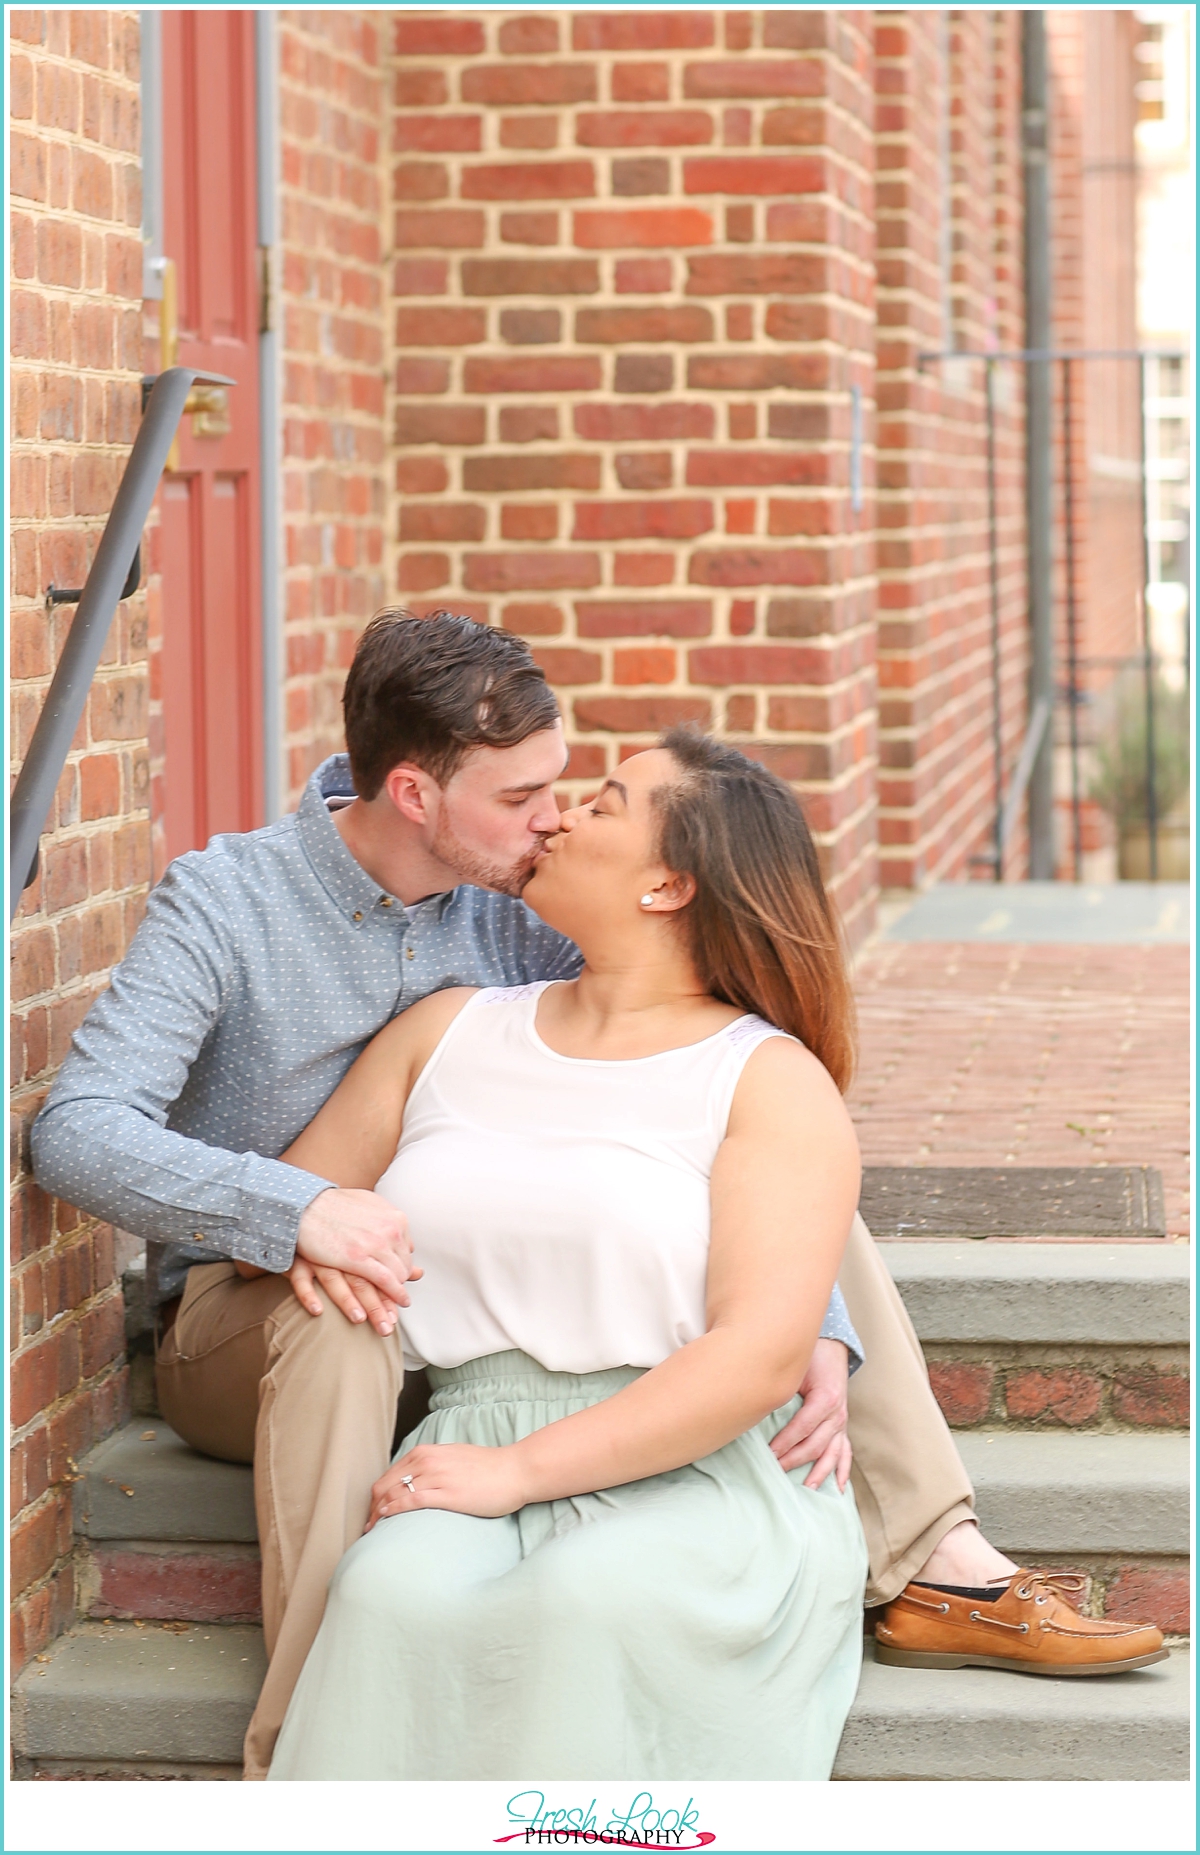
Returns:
<point x="509" y="994"/>
<point x="745" y="1033"/>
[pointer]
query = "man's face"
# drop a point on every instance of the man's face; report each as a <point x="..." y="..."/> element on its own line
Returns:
<point x="496" y="812"/>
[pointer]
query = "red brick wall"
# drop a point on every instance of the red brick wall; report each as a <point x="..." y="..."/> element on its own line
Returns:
<point x="948" y="100"/>
<point x="333" y="129"/>
<point x="76" y="360"/>
<point x="634" y="285"/>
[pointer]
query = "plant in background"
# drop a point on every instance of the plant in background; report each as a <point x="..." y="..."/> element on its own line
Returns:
<point x="1120" y="784"/>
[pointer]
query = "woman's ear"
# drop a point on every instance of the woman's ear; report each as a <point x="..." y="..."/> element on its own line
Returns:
<point x="669" y="895"/>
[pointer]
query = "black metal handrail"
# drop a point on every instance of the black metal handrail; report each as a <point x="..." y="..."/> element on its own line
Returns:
<point x="107" y="583"/>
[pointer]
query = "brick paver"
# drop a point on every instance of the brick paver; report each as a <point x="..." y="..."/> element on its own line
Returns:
<point x="1026" y="1055"/>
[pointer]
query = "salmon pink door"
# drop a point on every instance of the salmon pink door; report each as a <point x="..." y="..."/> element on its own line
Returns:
<point x="211" y="587"/>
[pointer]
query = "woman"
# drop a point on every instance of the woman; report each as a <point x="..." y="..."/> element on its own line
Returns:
<point x="629" y="1195"/>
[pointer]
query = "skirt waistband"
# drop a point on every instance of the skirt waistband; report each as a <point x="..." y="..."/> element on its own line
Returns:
<point x="515" y="1378"/>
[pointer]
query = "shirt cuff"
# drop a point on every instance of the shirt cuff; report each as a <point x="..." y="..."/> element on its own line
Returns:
<point x="837" y="1325"/>
<point x="268" y="1222"/>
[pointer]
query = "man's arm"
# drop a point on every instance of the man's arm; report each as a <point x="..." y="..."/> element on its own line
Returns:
<point x="102" y="1142"/>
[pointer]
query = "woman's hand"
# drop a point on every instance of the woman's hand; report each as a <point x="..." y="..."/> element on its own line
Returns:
<point x="463" y="1477"/>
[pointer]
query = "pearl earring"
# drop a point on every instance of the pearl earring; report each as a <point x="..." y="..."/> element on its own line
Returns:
<point x="647" y="901"/>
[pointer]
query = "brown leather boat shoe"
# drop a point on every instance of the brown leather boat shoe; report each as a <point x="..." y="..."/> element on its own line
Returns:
<point x="1029" y="1627"/>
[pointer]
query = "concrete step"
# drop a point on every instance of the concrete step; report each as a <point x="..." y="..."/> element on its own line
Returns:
<point x="110" y="1698"/>
<point x="123" y="1694"/>
<point x="1044" y="1492"/>
<point x="1028" y="1294"/>
<point x="984" y="1725"/>
<point x="1052" y="1335"/>
<point x="1037" y="1491"/>
<point x="143" y="1482"/>
<point x="167" y="1534"/>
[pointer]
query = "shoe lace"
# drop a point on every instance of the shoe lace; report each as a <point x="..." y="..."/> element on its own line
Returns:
<point x="1039" y="1585"/>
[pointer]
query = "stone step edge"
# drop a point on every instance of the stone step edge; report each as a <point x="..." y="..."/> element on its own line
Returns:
<point x="1089" y="1294"/>
<point x="106" y="1696"/>
<point x="1023" y="1292"/>
<point x="1055" y="1492"/>
<point x="132" y="1490"/>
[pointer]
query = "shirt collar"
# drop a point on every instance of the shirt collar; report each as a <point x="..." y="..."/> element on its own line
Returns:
<point x="355" y="893"/>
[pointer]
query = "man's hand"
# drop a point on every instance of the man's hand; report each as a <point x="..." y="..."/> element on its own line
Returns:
<point x="359" y="1233"/>
<point x="817" y="1433"/>
<point x="357" y="1299"/>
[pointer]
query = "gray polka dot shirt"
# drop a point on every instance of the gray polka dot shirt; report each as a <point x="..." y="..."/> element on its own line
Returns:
<point x="264" y="965"/>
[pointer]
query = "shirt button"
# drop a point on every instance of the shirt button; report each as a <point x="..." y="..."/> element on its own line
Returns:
<point x="385" y="901"/>
<point x="197" y="1236"/>
<point x="409" y="954"/>
<point x="358" y="914"/>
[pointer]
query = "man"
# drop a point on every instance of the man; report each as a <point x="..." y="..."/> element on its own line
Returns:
<point x="263" y="966"/>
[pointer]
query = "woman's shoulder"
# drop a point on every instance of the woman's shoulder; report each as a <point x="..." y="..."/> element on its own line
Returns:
<point x="418" y="1027"/>
<point x="781" y="1080"/>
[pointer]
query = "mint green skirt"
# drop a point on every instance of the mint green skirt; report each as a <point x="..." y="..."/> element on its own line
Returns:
<point x="705" y="1623"/>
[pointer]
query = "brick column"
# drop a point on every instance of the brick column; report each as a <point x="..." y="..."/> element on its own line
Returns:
<point x="333" y="129"/>
<point x="76" y="347"/>
<point x="633" y="284"/>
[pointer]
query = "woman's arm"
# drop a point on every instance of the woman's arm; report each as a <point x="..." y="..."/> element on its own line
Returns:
<point x="784" y="1190"/>
<point x="353" y="1139"/>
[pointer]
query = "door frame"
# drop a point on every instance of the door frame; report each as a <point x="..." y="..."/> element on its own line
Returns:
<point x="271" y="554"/>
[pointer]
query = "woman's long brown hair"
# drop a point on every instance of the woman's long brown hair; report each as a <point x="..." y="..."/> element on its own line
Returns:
<point x="763" y="932"/>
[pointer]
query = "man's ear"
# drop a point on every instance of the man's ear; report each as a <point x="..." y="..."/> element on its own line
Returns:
<point x="412" y="792"/>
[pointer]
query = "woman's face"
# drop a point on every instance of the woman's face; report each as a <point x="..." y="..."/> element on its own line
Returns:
<point x="594" y="872"/>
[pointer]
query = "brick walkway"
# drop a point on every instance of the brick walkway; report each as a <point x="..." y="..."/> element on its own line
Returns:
<point x="987" y="1055"/>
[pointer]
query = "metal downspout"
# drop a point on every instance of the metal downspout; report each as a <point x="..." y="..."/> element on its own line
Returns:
<point x="1038" y="476"/>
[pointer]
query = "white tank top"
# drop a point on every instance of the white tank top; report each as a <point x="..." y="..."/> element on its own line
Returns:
<point x="559" y="1204"/>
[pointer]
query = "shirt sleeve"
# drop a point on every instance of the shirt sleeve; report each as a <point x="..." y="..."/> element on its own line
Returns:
<point x="542" y="952"/>
<point x="837" y="1325"/>
<point x="102" y="1140"/>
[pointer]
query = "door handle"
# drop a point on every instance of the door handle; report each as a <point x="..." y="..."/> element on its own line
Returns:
<point x="207" y="405"/>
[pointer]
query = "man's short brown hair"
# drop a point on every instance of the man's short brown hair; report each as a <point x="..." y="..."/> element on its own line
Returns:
<point x="428" y="690"/>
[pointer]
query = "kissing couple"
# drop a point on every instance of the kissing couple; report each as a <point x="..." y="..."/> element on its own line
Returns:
<point x="543" y="1111"/>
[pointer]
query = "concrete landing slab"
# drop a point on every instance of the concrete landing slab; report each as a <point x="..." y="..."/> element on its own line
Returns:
<point x="1013" y="1201"/>
<point x="1088" y="1294"/>
<point x="984" y="1724"/>
<point x="1112" y="914"/>
<point x="1049" y="1492"/>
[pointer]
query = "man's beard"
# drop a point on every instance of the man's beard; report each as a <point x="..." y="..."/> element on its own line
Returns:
<point x="474" y="867"/>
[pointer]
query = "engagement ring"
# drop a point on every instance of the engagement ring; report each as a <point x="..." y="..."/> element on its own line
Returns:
<point x="408" y="1482"/>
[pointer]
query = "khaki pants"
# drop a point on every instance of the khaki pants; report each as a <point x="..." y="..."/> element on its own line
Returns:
<point x="246" y="1375"/>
